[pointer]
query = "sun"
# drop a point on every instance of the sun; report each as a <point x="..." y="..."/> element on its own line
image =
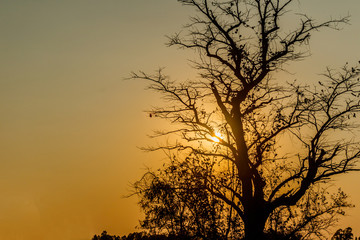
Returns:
<point x="217" y="137"/>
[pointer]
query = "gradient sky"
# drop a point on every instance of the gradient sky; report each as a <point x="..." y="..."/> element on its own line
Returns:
<point x="70" y="125"/>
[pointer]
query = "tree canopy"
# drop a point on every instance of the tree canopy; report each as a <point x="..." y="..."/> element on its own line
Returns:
<point x="253" y="151"/>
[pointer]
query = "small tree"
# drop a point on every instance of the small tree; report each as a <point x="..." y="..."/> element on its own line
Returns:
<point x="105" y="236"/>
<point x="176" y="201"/>
<point x="240" y="117"/>
<point x="345" y="234"/>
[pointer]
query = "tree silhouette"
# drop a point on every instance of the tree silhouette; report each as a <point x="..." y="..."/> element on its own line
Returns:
<point x="345" y="234"/>
<point x="175" y="201"/>
<point x="263" y="145"/>
<point x="105" y="236"/>
<point x="138" y="236"/>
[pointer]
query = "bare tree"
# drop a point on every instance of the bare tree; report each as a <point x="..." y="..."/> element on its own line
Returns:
<point x="239" y="115"/>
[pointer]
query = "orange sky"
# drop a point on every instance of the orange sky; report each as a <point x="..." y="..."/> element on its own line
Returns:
<point x="70" y="126"/>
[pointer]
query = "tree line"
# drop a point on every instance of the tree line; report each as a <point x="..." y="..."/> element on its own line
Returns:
<point x="340" y="234"/>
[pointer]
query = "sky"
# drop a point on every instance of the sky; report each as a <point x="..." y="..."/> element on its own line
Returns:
<point x="71" y="126"/>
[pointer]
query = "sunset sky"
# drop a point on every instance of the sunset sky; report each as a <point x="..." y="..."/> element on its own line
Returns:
<point x="71" y="125"/>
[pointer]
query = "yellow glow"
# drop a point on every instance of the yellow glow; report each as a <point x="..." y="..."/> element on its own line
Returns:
<point x="217" y="137"/>
<point x="77" y="112"/>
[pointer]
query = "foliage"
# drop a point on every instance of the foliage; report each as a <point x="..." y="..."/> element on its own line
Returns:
<point x="251" y="145"/>
<point x="139" y="236"/>
<point x="175" y="201"/>
<point x="105" y="236"/>
<point x="345" y="234"/>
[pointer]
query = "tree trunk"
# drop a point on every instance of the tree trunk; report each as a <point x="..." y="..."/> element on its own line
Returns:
<point x="255" y="219"/>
